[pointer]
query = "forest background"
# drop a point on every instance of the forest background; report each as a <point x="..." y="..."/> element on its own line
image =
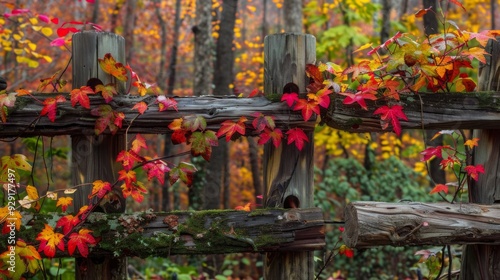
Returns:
<point x="175" y="52"/>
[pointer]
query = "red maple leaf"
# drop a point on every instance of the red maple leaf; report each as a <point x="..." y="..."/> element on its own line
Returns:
<point x="127" y="176"/>
<point x="297" y="136"/>
<point x="80" y="95"/>
<point x="391" y="114"/>
<point x="50" y="107"/>
<point x="128" y="158"/>
<point x="290" y="98"/>
<point x="100" y="188"/>
<point x="276" y="135"/>
<point x="141" y="107"/>
<point x="64" y="202"/>
<point x="323" y="97"/>
<point x="135" y="190"/>
<point x="180" y="133"/>
<point x="82" y="240"/>
<point x="439" y="188"/>
<point x="49" y="240"/>
<point x="166" y="102"/>
<point x="138" y="143"/>
<point x="473" y="171"/>
<point x="229" y="128"/>
<point x="67" y="223"/>
<point x="156" y="169"/>
<point x="193" y="123"/>
<point x="432" y="152"/>
<point x="308" y="107"/>
<point x="358" y="98"/>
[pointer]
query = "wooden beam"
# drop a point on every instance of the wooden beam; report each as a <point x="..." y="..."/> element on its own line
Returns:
<point x="24" y="121"/>
<point x="148" y="234"/>
<point x="94" y="157"/>
<point x="288" y="172"/>
<point x="371" y="224"/>
<point x="483" y="261"/>
<point x="478" y="110"/>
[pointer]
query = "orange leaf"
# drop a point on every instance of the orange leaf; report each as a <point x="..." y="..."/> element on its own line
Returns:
<point x="228" y="128"/>
<point x="246" y="208"/>
<point x="64" y="202"/>
<point x="49" y="240"/>
<point x="127" y="176"/>
<point x="81" y="96"/>
<point x="471" y="142"/>
<point x="107" y="91"/>
<point x="100" y="188"/>
<point x="439" y="188"/>
<point x="136" y="189"/>
<point x="141" y="107"/>
<point x="115" y="69"/>
<point x="138" y="143"/>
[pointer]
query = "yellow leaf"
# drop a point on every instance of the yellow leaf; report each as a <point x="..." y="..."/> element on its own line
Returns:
<point x="69" y="191"/>
<point x="17" y="161"/>
<point x="36" y="28"/>
<point x="33" y="63"/>
<point x="18" y="52"/>
<point x="32" y="46"/>
<point x="16" y="37"/>
<point x="33" y="21"/>
<point x="47" y="31"/>
<point x="47" y="58"/>
<point x="363" y="47"/>
<point x="32" y="192"/>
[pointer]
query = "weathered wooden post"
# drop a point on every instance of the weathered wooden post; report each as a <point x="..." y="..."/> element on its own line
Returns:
<point x="483" y="261"/>
<point x="93" y="157"/>
<point x="288" y="172"/>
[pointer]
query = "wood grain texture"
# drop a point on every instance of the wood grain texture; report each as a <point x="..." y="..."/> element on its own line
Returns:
<point x="483" y="261"/>
<point x="93" y="157"/>
<point x="197" y="232"/>
<point x="288" y="172"/>
<point x="23" y="121"/>
<point x="370" y="224"/>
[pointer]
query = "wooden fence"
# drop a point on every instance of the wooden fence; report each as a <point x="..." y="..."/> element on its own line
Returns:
<point x="287" y="235"/>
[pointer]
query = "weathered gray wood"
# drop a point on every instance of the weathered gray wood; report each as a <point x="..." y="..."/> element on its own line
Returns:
<point x="22" y="122"/>
<point x="288" y="172"/>
<point x="425" y="110"/>
<point x="93" y="157"/>
<point x="370" y="224"/>
<point x="483" y="261"/>
<point x="197" y="232"/>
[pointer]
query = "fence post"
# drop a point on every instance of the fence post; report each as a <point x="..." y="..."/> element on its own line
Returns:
<point x="483" y="261"/>
<point x="288" y="172"/>
<point x="93" y="157"/>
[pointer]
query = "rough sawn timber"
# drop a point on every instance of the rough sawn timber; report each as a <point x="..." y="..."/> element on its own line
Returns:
<point x="24" y="121"/>
<point x="473" y="110"/>
<point x="369" y="224"/>
<point x="149" y="234"/>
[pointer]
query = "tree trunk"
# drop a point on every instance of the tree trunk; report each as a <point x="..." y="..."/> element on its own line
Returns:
<point x="292" y="10"/>
<point x="128" y="28"/>
<point x="223" y="78"/>
<point x="203" y="48"/>
<point x="430" y="19"/>
<point x="173" y="53"/>
<point x="160" y="76"/>
<point x="385" y="29"/>
<point x="93" y="157"/>
<point x="483" y="261"/>
<point x="255" y="167"/>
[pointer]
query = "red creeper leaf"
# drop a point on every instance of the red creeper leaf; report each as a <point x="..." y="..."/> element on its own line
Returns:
<point x="67" y="223"/>
<point x="107" y="91"/>
<point x="138" y="143"/>
<point x="141" y="107"/>
<point x="100" y="188"/>
<point x="228" y="128"/>
<point x="127" y="176"/>
<point x="50" y="107"/>
<point x="297" y="136"/>
<point x="391" y="114"/>
<point x="308" y="107"/>
<point x="473" y="171"/>
<point x="64" y="202"/>
<point x="276" y="135"/>
<point x="82" y="240"/>
<point x="128" y="158"/>
<point x="81" y="96"/>
<point x="439" y="188"/>
<point x="49" y="240"/>
<point x="262" y="121"/>
<point x="165" y="102"/>
<point x="156" y="169"/>
<point x="135" y="190"/>
<point x="290" y="98"/>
